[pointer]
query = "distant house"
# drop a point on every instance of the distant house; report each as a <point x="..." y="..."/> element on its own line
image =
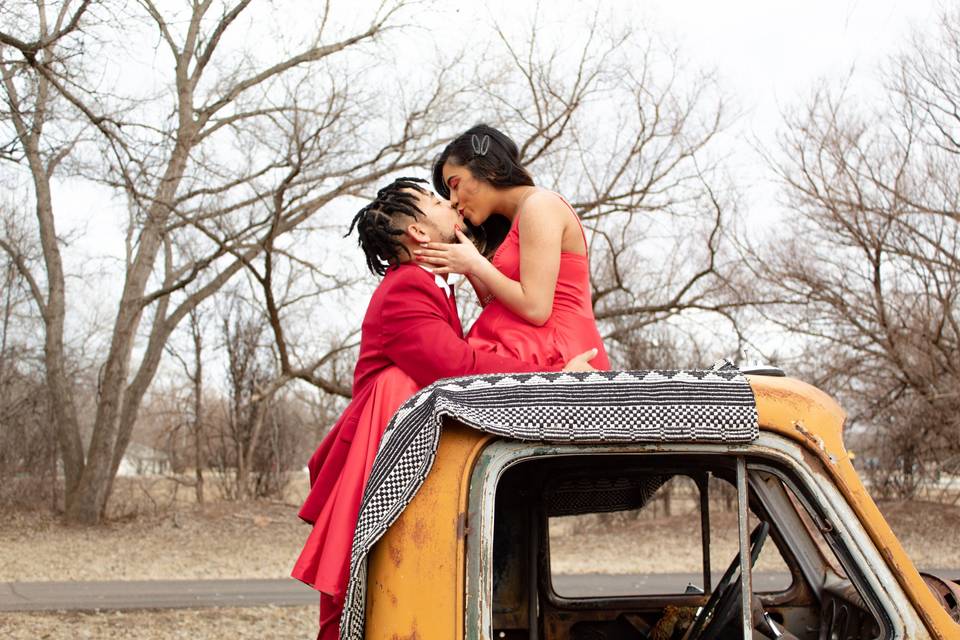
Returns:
<point x="141" y="460"/>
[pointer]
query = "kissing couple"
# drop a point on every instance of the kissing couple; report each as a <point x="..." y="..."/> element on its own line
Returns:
<point x="527" y="263"/>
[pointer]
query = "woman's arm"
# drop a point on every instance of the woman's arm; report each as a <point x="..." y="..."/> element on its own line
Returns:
<point x="483" y="292"/>
<point x="541" y="234"/>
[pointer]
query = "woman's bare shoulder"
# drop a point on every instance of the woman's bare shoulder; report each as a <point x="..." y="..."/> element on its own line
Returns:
<point x="544" y="198"/>
<point x="543" y="207"/>
<point x="547" y="215"/>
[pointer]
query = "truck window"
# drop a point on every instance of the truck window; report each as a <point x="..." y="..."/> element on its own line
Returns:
<point x="611" y="545"/>
<point x="655" y="549"/>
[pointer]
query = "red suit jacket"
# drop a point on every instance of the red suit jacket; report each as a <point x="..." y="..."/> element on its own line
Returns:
<point x="411" y="323"/>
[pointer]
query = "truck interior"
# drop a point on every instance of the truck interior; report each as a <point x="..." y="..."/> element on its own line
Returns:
<point x="651" y="546"/>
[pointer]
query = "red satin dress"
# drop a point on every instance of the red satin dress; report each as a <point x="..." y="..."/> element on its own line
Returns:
<point x="411" y="336"/>
<point x="571" y="328"/>
<point x="339" y="471"/>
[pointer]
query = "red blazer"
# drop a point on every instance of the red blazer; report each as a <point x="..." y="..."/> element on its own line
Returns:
<point x="413" y="324"/>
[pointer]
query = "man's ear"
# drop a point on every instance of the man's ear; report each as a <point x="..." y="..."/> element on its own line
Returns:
<point x="418" y="232"/>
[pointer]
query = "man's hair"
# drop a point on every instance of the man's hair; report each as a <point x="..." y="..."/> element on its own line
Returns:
<point x="379" y="227"/>
<point x="493" y="157"/>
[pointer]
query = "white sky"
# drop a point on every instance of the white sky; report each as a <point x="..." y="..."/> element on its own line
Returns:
<point x="771" y="54"/>
<point x="768" y="56"/>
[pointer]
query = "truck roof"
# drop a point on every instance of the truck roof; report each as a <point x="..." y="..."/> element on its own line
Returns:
<point x="800" y="412"/>
<point x="786" y="407"/>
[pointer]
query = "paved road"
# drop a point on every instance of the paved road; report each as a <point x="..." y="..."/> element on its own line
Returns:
<point x="152" y="594"/>
<point x="191" y="594"/>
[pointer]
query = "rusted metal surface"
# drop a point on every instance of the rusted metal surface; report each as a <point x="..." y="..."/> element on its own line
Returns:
<point x="533" y="567"/>
<point x="746" y="571"/>
<point x="414" y="587"/>
<point x="703" y="483"/>
<point x="674" y="619"/>
<point x="810" y="417"/>
<point x="947" y="593"/>
<point x="509" y="569"/>
<point x="428" y="549"/>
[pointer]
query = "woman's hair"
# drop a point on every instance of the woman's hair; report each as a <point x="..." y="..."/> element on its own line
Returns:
<point x="493" y="157"/>
<point x="378" y="226"/>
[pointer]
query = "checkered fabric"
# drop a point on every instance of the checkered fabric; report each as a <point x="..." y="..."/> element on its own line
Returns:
<point x="712" y="405"/>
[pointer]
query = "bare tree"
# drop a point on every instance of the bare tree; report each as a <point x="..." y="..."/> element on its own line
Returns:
<point x="196" y="377"/>
<point x="257" y="443"/>
<point x="239" y="152"/>
<point x="27" y="445"/>
<point x="29" y="100"/>
<point x="868" y="270"/>
<point x="195" y="415"/>
<point x="249" y="368"/>
<point x="290" y="366"/>
<point x="622" y="128"/>
<point x="196" y="167"/>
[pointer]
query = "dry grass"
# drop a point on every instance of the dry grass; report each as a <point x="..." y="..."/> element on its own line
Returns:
<point x="929" y="531"/>
<point x="158" y="535"/>
<point x="218" y="541"/>
<point x="158" y="532"/>
<point x="667" y="544"/>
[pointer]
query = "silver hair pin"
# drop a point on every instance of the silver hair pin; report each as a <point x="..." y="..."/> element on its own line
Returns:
<point x="480" y="146"/>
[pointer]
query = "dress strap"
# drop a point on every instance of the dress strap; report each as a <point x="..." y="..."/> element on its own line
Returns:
<point x="583" y="234"/>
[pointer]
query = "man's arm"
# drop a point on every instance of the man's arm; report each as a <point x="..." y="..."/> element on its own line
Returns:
<point x="418" y="338"/>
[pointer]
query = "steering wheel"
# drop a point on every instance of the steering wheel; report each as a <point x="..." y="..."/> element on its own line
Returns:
<point x="723" y="602"/>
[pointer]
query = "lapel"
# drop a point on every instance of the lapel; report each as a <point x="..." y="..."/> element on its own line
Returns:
<point x="453" y="315"/>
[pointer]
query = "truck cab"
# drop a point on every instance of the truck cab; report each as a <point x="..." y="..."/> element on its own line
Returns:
<point x="775" y="538"/>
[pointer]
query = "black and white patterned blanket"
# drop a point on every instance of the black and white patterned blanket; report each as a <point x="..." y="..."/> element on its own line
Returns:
<point x="712" y="405"/>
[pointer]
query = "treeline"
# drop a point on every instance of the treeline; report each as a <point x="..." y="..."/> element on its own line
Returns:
<point x="231" y="167"/>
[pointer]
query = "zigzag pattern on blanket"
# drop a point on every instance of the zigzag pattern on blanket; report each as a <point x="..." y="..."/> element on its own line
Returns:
<point x="711" y="405"/>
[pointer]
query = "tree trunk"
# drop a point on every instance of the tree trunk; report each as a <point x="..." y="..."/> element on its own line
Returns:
<point x="53" y="307"/>
<point x="106" y="447"/>
<point x="198" y="456"/>
<point x="245" y="459"/>
<point x="61" y="394"/>
<point x="163" y="326"/>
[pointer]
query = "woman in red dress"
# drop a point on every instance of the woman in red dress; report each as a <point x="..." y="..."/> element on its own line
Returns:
<point x="533" y="277"/>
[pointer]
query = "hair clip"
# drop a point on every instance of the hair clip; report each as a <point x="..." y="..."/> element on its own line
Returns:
<point x="480" y="146"/>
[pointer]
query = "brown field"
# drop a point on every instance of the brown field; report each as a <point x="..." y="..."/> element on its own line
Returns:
<point x="160" y="533"/>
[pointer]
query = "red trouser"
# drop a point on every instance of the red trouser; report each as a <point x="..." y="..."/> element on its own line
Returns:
<point x="330" y="610"/>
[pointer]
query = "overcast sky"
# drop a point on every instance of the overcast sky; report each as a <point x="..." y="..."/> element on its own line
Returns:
<point x="768" y="57"/>
<point x="771" y="55"/>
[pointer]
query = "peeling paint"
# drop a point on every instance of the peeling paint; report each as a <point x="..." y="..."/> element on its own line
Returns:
<point x="396" y="554"/>
<point x="421" y="533"/>
<point x="815" y="439"/>
<point x="413" y="635"/>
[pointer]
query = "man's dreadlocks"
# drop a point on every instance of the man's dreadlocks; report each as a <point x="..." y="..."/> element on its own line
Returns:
<point x="379" y="227"/>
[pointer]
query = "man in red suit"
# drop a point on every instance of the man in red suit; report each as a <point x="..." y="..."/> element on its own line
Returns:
<point x="410" y="337"/>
